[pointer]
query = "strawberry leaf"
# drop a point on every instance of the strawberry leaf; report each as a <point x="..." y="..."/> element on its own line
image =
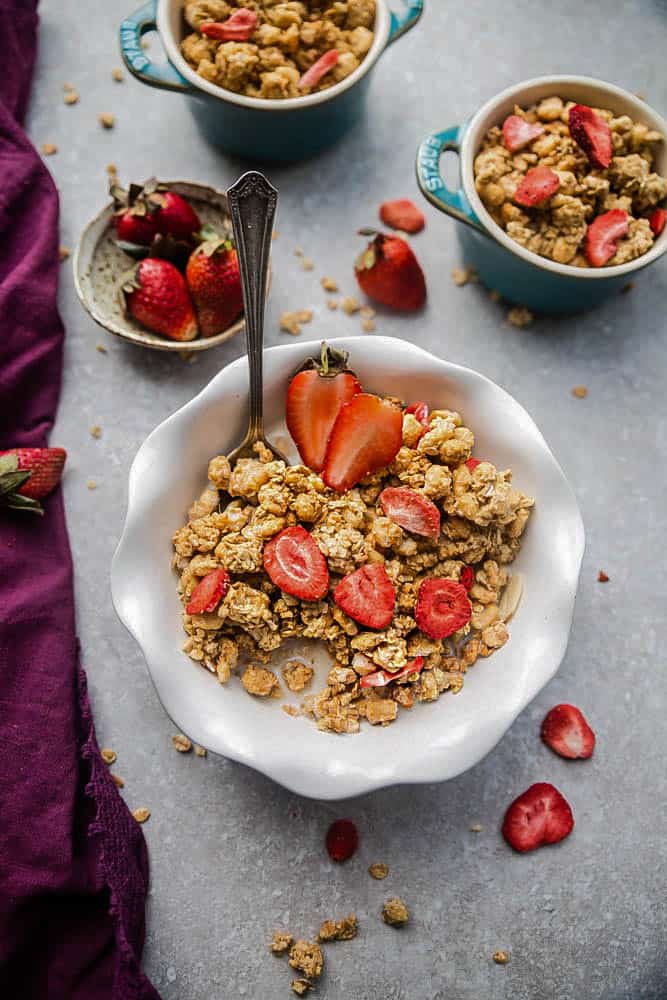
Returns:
<point x="10" y="482"/>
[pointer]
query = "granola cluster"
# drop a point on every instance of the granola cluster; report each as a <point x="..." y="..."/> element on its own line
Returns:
<point x="289" y="38"/>
<point x="484" y="517"/>
<point x="556" y="228"/>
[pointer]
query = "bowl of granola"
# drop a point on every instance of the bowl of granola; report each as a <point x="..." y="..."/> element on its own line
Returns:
<point x="342" y="630"/>
<point x="268" y="81"/>
<point x="563" y="191"/>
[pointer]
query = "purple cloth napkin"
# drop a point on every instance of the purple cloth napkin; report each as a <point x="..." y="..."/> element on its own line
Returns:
<point x="73" y="861"/>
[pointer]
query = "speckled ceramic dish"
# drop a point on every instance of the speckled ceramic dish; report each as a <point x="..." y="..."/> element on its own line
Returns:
<point x="99" y="266"/>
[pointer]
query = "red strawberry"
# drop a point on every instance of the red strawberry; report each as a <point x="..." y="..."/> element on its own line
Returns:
<point x="319" y="69"/>
<point x="296" y="565"/>
<point x="145" y="210"/>
<point x="208" y="593"/>
<point x="367" y="436"/>
<point x="566" y="731"/>
<point x="538" y="185"/>
<point x="472" y="463"/>
<point x="175" y="216"/>
<point x="420" y="412"/>
<point x="442" y="608"/>
<point x="237" y="28"/>
<point x="342" y="840"/>
<point x="602" y="236"/>
<point x="214" y="280"/>
<point x="158" y="298"/>
<point x="27" y="475"/>
<point x="389" y="272"/>
<point x="402" y="214"/>
<point x="539" y="816"/>
<point x="367" y="595"/>
<point x="657" y="220"/>
<point x="383" y="677"/>
<point x="592" y="134"/>
<point x="517" y="132"/>
<point x="467" y="577"/>
<point x="411" y="510"/>
<point x="138" y="229"/>
<point x="314" y="399"/>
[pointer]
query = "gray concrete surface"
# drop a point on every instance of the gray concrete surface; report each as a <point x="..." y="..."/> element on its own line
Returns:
<point x="234" y="856"/>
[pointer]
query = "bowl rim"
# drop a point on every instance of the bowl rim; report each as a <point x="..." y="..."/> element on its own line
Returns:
<point x="287" y="765"/>
<point x="470" y="148"/>
<point x="149" y="340"/>
<point x="172" y="47"/>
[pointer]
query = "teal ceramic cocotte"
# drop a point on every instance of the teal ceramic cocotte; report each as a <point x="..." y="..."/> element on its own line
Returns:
<point x="250" y="127"/>
<point x="520" y="275"/>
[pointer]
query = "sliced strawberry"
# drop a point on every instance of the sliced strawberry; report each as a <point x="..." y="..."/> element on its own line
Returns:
<point x="566" y="731"/>
<point x="296" y="565"/>
<point x="342" y="840"/>
<point x="657" y="220"/>
<point x="367" y="595"/>
<point x="315" y="397"/>
<point x="467" y="578"/>
<point x="540" y="816"/>
<point x="402" y="214"/>
<point x="517" y="132"/>
<point x="602" y="236"/>
<point x="538" y="185"/>
<point x="592" y="134"/>
<point x="366" y="437"/>
<point x="472" y="463"/>
<point x="420" y="412"/>
<point x="237" y="28"/>
<point x="319" y="69"/>
<point x="208" y="593"/>
<point x="411" y="510"/>
<point x="383" y="677"/>
<point x="442" y="608"/>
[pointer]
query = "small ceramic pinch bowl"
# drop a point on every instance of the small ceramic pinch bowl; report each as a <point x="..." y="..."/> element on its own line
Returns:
<point x="518" y="274"/>
<point x="434" y="741"/>
<point x="99" y="266"/>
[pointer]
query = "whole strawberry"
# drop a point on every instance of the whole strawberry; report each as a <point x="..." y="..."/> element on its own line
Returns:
<point x="389" y="272"/>
<point x="145" y="210"/>
<point x="27" y="475"/>
<point x="214" y="280"/>
<point x="157" y="297"/>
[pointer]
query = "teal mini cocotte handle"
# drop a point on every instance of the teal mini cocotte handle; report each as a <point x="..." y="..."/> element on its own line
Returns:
<point x="429" y="178"/>
<point x="132" y="29"/>
<point x="400" y="23"/>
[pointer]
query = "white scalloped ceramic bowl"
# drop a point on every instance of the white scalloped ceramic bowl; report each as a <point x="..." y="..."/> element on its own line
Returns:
<point x="434" y="741"/>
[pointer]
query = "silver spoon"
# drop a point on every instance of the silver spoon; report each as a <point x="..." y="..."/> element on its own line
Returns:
<point x="252" y="206"/>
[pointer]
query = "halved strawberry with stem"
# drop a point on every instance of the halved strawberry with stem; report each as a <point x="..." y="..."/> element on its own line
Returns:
<point x="296" y="565"/>
<point x="367" y="595"/>
<point x="367" y="436"/>
<point x="319" y="69"/>
<point x="517" y="132"/>
<point x="411" y="510"/>
<point x="315" y="397"/>
<point x="603" y="234"/>
<point x="237" y="28"/>
<point x="402" y="214"/>
<point x="383" y="677"/>
<point x="592" y="134"/>
<point x="540" y="816"/>
<point x="538" y="184"/>
<point x="657" y="220"/>
<point x="27" y="475"/>
<point x="208" y="593"/>
<point x="420" y="412"/>
<point x="443" y="607"/>
<point x="566" y="731"/>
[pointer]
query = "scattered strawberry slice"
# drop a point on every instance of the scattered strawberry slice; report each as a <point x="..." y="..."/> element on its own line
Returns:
<point x="442" y="608"/>
<point x="566" y="731"/>
<point x="657" y="220"/>
<point x="467" y="577"/>
<point x="411" y="510"/>
<point x="402" y="214"/>
<point x="383" y="677"/>
<point x="420" y="412"/>
<point x="319" y="69"/>
<point x="27" y="475"/>
<point x="592" y="134"/>
<point x="342" y="840"/>
<point x="389" y="272"/>
<point x="208" y="593"/>
<point x="315" y="397"/>
<point x="538" y="185"/>
<point x="517" y="132"/>
<point x="367" y="595"/>
<point x="472" y="463"/>
<point x="367" y="436"/>
<point x="540" y="816"/>
<point x="237" y="28"/>
<point x="602" y="236"/>
<point x="296" y="565"/>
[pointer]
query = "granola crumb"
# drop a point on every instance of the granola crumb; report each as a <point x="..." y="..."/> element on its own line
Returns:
<point x="117" y="75"/>
<point x="395" y="912"/>
<point x="68" y="86"/>
<point x="290" y="322"/>
<point x="200" y="751"/>
<point x="476" y="828"/>
<point x="108" y="756"/>
<point x="259" y="681"/>
<point x="339" y="930"/>
<point x="106" y="119"/>
<point x="101" y="349"/>
<point x="494" y="295"/>
<point x="520" y="316"/>
<point x="281" y="941"/>
<point x="580" y="391"/>
<point x="628" y="288"/>
<point x="96" y="431"/>
<point x="368" y="325"/>
<point x="141" y="814"/>
<point x="350" y="305"/>
<point x="111" y="169"/>
<point x="367" y="312"/>
<point x="49" y="148"/>
<point x="329" y="285"/>
<point x="71" y="96"/>
<point x="297" y="675"/>
<point x="274" y="234"/>
<point x="64" y="252"/>
<point x="181" y="743"/>
<point x="501" y="957"/>
<point x="291" y="710"/>
<point x="378" y="870"/>
<point x="462" y="275"/>
<point x="307" y="264"/>
<point x="602" y="577"/>
<point x="118" y="781"/>
<point x="332" y="304"/>
<point x="306" y="957"/>
<point x="298" y="252"/>
<point x="91" y="484"/>
<point x="301" y="986"/>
